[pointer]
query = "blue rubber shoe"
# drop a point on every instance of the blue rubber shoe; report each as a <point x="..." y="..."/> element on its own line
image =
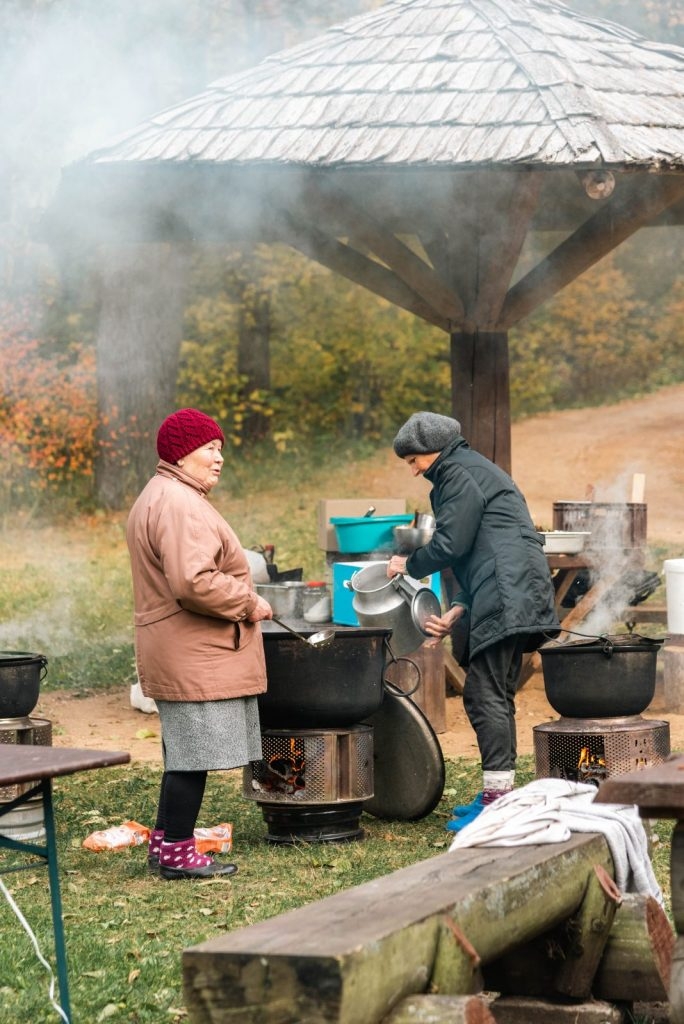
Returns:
<point x="457" y="823"/>
<point x="462" y="809"/>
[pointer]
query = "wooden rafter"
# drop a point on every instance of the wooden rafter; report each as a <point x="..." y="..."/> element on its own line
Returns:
<point x="356" y="267"/>
<point x="329" y="203"/>
<point x="634" y="204"/>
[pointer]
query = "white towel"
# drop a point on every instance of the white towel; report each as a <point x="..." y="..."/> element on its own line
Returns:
<point x="549" y="810"/>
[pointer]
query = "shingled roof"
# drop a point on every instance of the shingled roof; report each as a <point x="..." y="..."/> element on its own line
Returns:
<point x="437" y="83"/>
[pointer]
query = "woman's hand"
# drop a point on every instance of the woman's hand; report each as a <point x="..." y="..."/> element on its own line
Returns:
<point x="440" y="625"/>
<point x="262" y="610"/>
<point x="396" y="566"/>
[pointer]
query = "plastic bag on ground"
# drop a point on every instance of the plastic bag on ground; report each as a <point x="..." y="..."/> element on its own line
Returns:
<point x="118" y="837"/>
<point x="217" y="839"/>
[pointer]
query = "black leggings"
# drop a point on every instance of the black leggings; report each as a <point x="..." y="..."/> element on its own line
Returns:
<point x="180" y="799"/>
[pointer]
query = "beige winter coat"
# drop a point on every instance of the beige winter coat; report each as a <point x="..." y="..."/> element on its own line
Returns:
<point x="192" y="592"/>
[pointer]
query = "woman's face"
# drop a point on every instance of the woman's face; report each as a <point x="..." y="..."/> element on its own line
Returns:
<point x="419" y="463"/>
<point x="204" y="464"/>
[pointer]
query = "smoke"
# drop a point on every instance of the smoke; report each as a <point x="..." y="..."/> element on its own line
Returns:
<point x="615" y="549"/>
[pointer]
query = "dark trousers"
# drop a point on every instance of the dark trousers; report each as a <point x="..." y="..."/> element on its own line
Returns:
<point x="489" y="700"/>
<point x="180" y="799"/>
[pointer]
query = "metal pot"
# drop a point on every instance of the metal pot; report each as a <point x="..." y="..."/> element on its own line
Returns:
<point x="600" y="677"/>
<point x="401" y="604"/>
<point x="20" y="678"/>
<point x="333" y="687"/>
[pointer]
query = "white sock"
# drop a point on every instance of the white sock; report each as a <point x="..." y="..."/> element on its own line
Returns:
<point x="499" y="782"/>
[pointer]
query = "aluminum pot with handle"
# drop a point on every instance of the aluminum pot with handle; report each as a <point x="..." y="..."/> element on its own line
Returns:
<point x="401" y="604"/>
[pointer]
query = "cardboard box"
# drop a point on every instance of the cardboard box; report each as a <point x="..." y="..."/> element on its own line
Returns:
<point x="327" y="507"/>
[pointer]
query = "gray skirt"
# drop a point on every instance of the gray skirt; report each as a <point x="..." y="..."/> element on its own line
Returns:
<point x="210" y="735"/>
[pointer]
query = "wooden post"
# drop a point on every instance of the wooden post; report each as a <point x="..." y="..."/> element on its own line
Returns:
<point x="480" y="393"/>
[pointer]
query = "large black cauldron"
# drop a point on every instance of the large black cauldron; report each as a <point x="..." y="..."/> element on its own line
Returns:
<point x="600" y="677"/>
<point x="331" y="687"/>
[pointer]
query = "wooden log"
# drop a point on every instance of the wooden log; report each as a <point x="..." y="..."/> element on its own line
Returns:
<point x="592" y="925"/>
<point x="351" y="957"/>
<point x="441" y="1010"/>
<point x="521" y="1010"/>
<point x="635" y="966"/>
<point x="637" y="962"/>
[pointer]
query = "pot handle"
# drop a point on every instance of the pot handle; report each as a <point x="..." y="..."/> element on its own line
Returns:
<point x="392" y="687"/>
<point x="43" y="667"/>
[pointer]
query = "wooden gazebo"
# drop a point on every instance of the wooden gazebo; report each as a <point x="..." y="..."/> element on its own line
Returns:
<point x="413" y="149"/>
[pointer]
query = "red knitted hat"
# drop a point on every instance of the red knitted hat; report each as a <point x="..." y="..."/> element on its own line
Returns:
<point x="185" y="430"/>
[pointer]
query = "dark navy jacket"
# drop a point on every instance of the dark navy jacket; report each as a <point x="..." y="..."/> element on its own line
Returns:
<point x="485" y="534"/>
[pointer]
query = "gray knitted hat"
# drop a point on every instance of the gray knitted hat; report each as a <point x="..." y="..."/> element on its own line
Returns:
<point x="425" y="432"/>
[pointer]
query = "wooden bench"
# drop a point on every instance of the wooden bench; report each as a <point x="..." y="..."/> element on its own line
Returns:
<point x="430" y="928"/>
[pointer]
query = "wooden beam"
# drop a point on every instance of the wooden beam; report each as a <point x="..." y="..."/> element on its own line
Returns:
<point x="637" y="961"/>
<point x="504" y="223"/>
<point x="356" y="267"/>
<point x="353" y="956"/>
<point x="633" y="204"/>
<point x="441" y="1010"/>
<point x="474" y="231"/>
<point x="480" y="396"/>
<point x="327" y="203"/>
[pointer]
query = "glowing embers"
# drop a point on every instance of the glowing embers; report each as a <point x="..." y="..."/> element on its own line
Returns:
<point x="284" y="773"/>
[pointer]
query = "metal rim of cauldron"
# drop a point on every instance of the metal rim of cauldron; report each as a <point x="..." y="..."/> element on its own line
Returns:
<point x="333" y="687"/>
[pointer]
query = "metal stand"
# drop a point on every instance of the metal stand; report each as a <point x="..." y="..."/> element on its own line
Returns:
<point x="48" y="853"/>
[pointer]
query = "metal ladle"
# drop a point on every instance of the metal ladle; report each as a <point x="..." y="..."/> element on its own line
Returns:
<point x="322" y="638"/>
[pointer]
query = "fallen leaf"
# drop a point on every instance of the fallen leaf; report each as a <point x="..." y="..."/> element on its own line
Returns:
<point x="145" y="734"/>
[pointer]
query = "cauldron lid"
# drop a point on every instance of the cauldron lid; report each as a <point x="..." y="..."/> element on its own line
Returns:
<point x="408" y="762"/>
<point x="625" y="641"/>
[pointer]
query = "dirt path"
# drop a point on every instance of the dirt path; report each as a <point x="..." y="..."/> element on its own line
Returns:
<point x="555" y="458"/>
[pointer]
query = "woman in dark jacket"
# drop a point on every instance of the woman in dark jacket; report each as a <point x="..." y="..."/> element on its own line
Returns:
<point x="485" y="536"/>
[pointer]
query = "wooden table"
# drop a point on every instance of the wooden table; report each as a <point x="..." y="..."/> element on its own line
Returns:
<point x="658" y="791"/>
<point x="21" y="764"/>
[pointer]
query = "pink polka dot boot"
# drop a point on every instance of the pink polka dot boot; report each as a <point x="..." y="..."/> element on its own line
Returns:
<point x="153" y="848"/>
<point x="181" y="860"/>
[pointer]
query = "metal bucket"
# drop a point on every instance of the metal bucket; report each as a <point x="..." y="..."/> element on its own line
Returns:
<point x="399" y="604"/>
<point x="25" y="822"/>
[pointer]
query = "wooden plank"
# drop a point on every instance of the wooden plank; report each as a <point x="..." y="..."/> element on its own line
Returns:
<point x="453" y="673"/>
<point x="519" y="1010"/>
<point x="441" y="1010"/>
<point x="658" y="790"/>
<point x="351" y="957"/>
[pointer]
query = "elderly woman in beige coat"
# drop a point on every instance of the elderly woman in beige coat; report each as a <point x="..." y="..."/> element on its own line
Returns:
<point x="198" y="647"/>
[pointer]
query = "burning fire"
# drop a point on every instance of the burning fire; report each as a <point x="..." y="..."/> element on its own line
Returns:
<point x="591" y="766"/>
